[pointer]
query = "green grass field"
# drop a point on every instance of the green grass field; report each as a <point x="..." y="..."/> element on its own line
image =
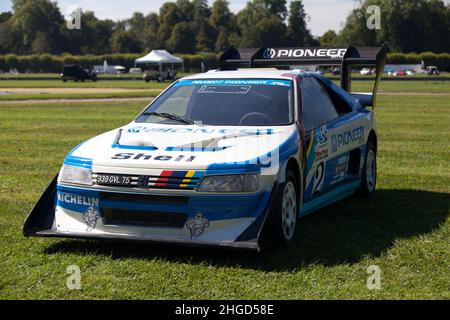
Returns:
<point x="137" y="88"/>
<point x="404" y="229"/>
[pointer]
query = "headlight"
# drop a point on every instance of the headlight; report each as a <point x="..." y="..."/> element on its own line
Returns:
<point x="75" y="175"/>
<point x="230" y="183"/>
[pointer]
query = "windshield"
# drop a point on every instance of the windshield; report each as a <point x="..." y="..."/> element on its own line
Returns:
<point x="225" y="102"/>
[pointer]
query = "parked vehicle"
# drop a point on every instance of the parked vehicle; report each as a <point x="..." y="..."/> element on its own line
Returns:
<point x="432" y="70"/>
<point x="223" y="158"/>
<point x="400" y="73"/>
<point x="366" y="71"/>
<point x="159" y="73"/>
<point x="76" y="73"/>
<point x="135" y="70"/>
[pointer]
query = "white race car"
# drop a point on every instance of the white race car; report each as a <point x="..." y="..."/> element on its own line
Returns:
<point x="225" y="158"/>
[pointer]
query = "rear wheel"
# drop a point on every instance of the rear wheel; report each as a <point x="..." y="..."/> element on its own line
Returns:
<point x="369" y="174"/>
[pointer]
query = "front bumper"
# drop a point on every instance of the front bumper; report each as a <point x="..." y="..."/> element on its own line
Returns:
<point x="234" y="221"/>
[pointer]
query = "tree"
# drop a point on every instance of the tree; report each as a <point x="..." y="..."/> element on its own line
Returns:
<point x="151" y="32"/>
<point x="41" y="43"/>
<point x="33" y="16"/>
<point x="182" y="39"/>
<point x="329" y="39"/>
<point x="169" y="17"/>
<point x="261" y="22"/>
<point x="5" y="16"/>
<point x="298" y="34"/>
<point x="124" y="42"/>
<point x="205" y="34"/>
<point x="406" y="25"/>
<point x="224" y="24"/>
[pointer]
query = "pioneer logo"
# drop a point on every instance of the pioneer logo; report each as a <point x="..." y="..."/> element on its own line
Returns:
<point x="279" y="53"/>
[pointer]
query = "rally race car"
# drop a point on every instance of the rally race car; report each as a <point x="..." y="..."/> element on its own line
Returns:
<point x="230" y="157"/>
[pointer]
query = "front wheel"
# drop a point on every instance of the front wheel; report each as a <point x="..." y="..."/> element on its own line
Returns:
<point x="369" y="174"/>
<point x="286" y="212"/>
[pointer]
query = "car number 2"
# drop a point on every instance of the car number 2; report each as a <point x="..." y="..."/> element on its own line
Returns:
<point x="318" y="178"/>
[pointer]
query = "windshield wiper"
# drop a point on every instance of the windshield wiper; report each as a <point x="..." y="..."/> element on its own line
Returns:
<point x="169" y="116"/>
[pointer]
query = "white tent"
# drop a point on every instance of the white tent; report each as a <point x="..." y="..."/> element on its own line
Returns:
<point x="158" y="57"/>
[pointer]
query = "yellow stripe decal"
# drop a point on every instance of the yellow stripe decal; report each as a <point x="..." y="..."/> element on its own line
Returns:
<point x="190" y="174"/>
<point x="310" y="145"/>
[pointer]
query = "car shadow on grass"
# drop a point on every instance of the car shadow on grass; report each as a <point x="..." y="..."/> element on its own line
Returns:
<point x="342" y="233"/>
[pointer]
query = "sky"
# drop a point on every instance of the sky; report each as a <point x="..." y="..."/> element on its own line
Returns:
<point x="324" y="14"/>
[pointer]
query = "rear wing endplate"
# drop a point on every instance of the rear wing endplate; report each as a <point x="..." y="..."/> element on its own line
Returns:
<point x="346" y="58"/>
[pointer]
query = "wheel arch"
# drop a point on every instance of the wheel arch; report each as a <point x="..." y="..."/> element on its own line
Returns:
<point x="296" y="168"/>
<point x="373" y="138"/>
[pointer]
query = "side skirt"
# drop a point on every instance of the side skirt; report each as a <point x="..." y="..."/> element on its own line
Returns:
<point x="329" y="198"/>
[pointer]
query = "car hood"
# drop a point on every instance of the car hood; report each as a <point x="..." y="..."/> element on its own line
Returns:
<point x="181" y="147"/>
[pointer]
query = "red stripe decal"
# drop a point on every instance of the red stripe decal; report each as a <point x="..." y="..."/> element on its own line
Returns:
<point x="163" y="179"/>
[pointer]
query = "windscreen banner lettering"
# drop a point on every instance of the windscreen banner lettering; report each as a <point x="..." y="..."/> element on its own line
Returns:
<point x="235" y="82"/>
<point x="225" y="89"/>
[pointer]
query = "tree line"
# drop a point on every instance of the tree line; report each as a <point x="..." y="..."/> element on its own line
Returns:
<point x="183" y="26"/>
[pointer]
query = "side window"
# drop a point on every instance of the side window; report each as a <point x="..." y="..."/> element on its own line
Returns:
<point x="340" y="104"/>
<point x="317" y="106"/>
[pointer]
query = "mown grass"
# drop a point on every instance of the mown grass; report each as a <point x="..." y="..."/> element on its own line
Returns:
<point x="404" y="229"/>
<point x="153" y="87"/>
<point x="131" y="84"/>
<point x="76" y="96"/>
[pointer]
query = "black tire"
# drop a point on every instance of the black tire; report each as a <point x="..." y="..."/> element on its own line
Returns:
<point x="369" y="181"/>
<point x="279" y="217"/>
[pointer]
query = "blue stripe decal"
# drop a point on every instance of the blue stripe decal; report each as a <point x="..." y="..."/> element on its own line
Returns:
<point x="234" y="82"/>
<point x="196" y="149"/>
<point x="75" y="161"/>
<point x="121" y="146"/>
<point x="329" y="197"/>
<point x="78" y="162"/>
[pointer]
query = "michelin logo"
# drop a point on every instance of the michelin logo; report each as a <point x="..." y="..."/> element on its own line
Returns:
<point x="90" y="217"/>
<point x="77" y="199"/>
<point x="345" y="138"/>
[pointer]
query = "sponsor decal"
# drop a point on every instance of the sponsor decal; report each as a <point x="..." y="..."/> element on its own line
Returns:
<point x="250" y="132"/>
<point x="320" y="153"/>
<point x="321" y="136"/>
<point x="77" y="199"/>
<point x="340" y="170"/>
<point x="275" y="53"/>
<point x="143" y="156"/>
<point x="234" y="82"/>
<point x="90" y="217"/>
<point x="197" y="225"/>
<point x="345" y="138"/>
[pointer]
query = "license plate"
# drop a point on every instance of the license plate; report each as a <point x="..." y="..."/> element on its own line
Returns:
<point x="114" y="180"/>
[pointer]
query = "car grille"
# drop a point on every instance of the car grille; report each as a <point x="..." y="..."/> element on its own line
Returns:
<point x="144" y="198"/>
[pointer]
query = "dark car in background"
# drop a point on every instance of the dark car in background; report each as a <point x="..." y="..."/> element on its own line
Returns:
<point x="77" y="73"/>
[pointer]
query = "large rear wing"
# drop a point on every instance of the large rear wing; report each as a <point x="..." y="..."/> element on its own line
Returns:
<point x="346" y="58"/>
